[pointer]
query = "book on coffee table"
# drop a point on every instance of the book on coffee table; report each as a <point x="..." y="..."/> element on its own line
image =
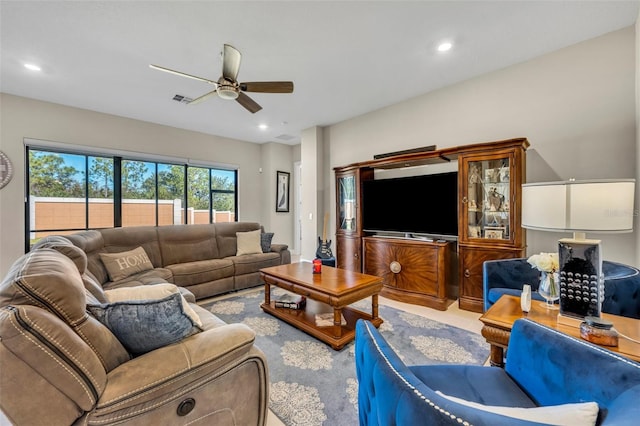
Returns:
<point x="291" y="301"/>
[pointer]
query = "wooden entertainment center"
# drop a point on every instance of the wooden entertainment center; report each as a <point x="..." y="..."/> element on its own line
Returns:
<point x="419" y="270"/>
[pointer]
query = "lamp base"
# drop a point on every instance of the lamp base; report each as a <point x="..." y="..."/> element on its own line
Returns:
<point x="581" y="283"/>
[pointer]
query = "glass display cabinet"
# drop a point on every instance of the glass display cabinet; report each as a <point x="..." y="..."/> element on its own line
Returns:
<point x="349" y="230"/>
<point x="347" y="203"/>
<point x="488" y="199"/>
<point x="489" y="223"/>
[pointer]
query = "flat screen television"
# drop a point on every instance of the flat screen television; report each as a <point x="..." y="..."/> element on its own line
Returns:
<point x="425" y="204"/>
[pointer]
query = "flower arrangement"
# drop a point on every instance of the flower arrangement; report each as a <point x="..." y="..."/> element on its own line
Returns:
<point x="544" y="262"/>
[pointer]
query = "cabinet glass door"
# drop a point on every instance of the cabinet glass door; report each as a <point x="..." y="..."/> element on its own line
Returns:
<point x="347" y="203"/>
<point x="488" y="199"/>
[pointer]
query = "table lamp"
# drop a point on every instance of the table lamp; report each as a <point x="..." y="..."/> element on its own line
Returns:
<point x="603" y="206"/>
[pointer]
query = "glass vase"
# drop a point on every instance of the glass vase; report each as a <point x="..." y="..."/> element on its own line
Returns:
<point x="549" y="288"/>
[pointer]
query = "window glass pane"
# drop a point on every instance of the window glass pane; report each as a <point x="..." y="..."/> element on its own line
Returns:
<point x="223" y="185"/>
<point x="56" y="192"/>
<point x="170" y="194"/>
<point x="223" y="179"/>
<point x="138" y="193"/>
<point x="198" y="195"/>
<point x="70" y="192"/>
<point x="100" y="192"/>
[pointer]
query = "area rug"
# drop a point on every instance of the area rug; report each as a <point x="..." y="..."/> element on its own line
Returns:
<point x="312" y="384"/>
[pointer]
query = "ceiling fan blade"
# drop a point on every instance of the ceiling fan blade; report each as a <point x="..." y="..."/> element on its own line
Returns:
<point x="248" y="103"/>
<point x="230" y="62"/>
<point x="203" y="97"/>
<point x="268" y="86"/>
<point x="182" y="74"/>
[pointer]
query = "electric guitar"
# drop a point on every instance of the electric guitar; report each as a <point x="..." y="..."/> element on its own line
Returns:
<point x="324" y="247"/>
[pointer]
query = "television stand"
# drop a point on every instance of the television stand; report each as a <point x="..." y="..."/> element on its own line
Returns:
<point x="413" y="270"/>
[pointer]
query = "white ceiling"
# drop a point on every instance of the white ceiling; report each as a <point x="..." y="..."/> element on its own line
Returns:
<point x="346" y="58"/>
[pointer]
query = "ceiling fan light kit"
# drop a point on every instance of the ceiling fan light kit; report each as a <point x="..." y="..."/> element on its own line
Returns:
<point x="227" y="86"/>
<point x="228" y="92"/>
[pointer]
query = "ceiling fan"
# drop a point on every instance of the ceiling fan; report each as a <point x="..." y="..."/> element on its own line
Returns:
<point x="227" y="86"/>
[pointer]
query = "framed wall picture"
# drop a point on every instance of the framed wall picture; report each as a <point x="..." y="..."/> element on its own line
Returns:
<point x="282" y="191"/>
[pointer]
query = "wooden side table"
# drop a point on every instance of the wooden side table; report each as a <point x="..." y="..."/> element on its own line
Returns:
<point x="499" y="319"/>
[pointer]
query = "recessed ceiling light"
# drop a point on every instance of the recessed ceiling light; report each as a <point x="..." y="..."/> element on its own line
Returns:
<point x="263" y="127"/>
<point x="443" y="47"/>
<point x="32" y="67"/>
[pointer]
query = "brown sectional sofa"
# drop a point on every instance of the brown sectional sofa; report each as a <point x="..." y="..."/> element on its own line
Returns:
<point x="60" y="365"/>
<point x="200" y="258"/>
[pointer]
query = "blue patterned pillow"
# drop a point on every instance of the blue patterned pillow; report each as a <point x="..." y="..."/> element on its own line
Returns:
<point x="144" y="325"/>
<point x="265" y="241"/>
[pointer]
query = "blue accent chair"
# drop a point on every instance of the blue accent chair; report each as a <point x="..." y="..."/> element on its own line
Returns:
<point x="544" y="368"/>
<point x="506" y="276"/>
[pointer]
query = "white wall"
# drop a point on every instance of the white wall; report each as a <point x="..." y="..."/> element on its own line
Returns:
<point x="313" y="177"/>
<point x="26" y="118"/>
<point x="637" y="91"/>
<point x="576" y="106"/>
<point x="277" y="157"/>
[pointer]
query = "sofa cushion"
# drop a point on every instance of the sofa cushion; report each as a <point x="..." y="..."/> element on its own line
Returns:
<point x="151" y="292"/>
<point x="152" y="276"/>
<point x="79" y="258"/>
<point x="124" y="264"/>
<point x="51" y="281"/>
<point x="254" y="262"/>
<point x="187" y="243"/>
<point x="248" y="243"/>
<point x="209" y="320"/>
<point x="490" y="386"/>
<point x="92" y="243"/>
<point x="144" y="325"/>
<point x="584" y="413"/>
<point x="265" y="241"/>
<point x="202" y="271"/>
<point x="128" y="238"/>
<point x="227" y="239"/>
<point x="66" y="247"/>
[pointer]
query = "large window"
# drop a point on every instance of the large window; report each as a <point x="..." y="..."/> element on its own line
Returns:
<point x="70" y="191"/>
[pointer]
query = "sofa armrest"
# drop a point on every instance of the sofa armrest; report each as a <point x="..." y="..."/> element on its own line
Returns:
<point x="283" y="250"/>
<point x="555" y="368"/>
<point x="165" y="369"/>
<point x="279" y="248"/>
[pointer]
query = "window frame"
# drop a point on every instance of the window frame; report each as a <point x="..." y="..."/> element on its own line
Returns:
<point x="118" y="157"/>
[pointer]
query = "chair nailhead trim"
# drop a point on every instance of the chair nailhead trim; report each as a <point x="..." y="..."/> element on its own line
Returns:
<point x="413" y="388"/>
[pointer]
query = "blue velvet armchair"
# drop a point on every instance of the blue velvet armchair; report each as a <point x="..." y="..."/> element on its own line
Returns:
<point x="549" y="376"/>
<point x="506" y="276"/>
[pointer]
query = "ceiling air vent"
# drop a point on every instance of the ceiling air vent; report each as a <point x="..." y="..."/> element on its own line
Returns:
<point x="285" y="137"/>
<point x="182" y="99"/>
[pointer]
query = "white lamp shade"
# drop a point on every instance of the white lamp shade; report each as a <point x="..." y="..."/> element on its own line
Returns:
<point x="579" y="206"/>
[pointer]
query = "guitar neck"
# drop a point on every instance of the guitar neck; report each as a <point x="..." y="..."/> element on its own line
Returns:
<point x="324" y="227"/>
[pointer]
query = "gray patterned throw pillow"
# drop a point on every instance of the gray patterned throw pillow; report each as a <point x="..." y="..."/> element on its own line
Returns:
<point x="265" y="241"/>
<point x="144" y="325"/>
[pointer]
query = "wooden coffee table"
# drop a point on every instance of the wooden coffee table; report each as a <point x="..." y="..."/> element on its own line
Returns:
<point x="330" y="291"/>
<point x="500" y="317"/>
